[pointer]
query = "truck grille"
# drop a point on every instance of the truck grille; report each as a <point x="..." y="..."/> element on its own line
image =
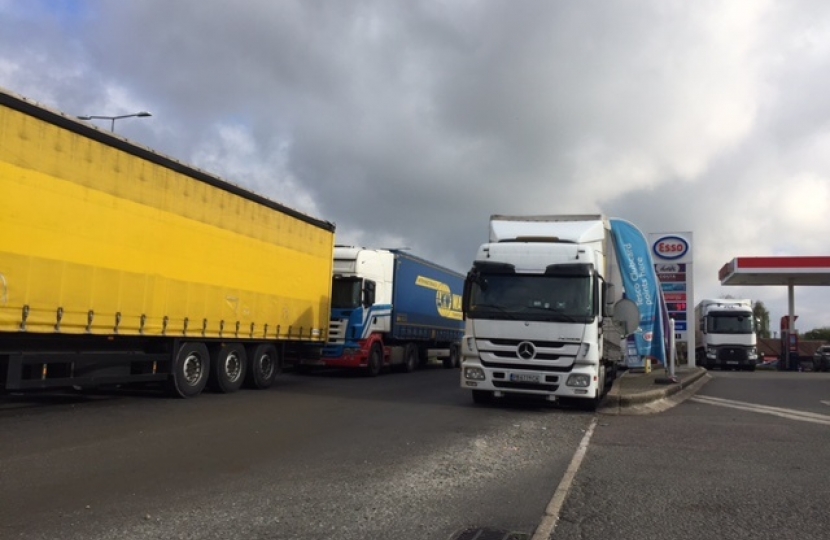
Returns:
<point x="729" y="354"/>
<point x="506" y="353"/>
<point x="531" y="367"/>
<point x="337" y="331"/>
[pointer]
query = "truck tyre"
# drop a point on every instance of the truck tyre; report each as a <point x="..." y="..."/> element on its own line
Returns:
<point x="610" y="377"/>
<point x="454" y="359"/>
<point x="263" y="366"/>
<point x="227" y="367"/>
<point x="482" y="397"/>
<point x="591" y="404"/>
<point x="410" y="358"/>
<point x="375" y="361"/>
<point x="191" y="368"/>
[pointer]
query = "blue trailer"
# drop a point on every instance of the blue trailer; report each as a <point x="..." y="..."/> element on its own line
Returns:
<point x="390" y="308"/>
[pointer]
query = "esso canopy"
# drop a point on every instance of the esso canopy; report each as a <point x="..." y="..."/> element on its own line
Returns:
<point x="776" y="271"/>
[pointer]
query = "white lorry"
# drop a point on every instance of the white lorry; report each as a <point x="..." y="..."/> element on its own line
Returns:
<point x="725" y="334"/>
<point x="539" y="305"/>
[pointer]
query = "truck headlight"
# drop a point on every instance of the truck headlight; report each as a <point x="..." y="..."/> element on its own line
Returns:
<point x="753" y="353"/>
<point x="474" y="373"/>
<point x="712" y="353"/>
<point x="579" y="380"/>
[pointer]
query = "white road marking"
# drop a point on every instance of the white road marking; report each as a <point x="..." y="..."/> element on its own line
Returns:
<point x="825" y="402"/>
<point x="791" y="414"/>
<point x="551" y="517"/>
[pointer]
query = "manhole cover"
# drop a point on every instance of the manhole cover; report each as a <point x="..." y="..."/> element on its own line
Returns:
<point x="490" y="534"/>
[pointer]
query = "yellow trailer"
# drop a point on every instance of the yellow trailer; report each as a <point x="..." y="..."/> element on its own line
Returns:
<point x="119" y="264"/>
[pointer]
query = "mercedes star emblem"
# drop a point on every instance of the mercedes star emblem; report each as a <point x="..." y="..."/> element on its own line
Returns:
<point x="526" y="350"/>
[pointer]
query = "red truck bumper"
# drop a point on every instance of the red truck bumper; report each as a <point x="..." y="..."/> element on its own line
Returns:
<point x="354" y="361"/>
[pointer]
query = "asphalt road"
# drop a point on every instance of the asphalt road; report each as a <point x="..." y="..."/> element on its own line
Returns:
<point x="402" y="456"/>
<point x="744" y="459"/>
<point x="407" y="456"/>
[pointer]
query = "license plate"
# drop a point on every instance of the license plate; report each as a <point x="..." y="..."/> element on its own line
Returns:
<point x="525" y="377"/>
<point x="731" y="361"/>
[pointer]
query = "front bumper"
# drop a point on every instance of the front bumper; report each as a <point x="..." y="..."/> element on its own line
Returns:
<point x="524" y="379"/>
<point x="346" y="362"/>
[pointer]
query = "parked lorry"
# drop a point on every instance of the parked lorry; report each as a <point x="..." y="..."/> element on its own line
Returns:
<point x="540" y="304"/>
<point x="821" y="358"/>
<point x="725" y="334"/>
<point x="390" y="308"/>
<point x="120" y="265"/>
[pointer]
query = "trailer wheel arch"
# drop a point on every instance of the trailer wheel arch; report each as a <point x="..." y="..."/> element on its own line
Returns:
<point x="190" y="369"/>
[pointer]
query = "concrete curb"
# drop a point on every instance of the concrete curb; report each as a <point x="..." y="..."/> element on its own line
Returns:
<point x="616" y="400"/>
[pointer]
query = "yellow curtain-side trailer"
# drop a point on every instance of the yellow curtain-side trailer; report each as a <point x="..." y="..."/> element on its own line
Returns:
<point x="121" y="265"/>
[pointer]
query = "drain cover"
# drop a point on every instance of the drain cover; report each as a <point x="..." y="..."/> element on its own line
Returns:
<point x="490" y="534"/>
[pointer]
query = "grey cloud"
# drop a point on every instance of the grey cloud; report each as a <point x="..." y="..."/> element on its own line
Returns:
<point x="411" y="122"/>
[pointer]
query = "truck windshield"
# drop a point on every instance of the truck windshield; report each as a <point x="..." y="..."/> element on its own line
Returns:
<point x="345" y="293"/>
<point x="730" y="323"/>
<point x="533" y="297"/>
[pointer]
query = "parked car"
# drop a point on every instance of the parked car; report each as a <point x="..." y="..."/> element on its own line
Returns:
<point x="821" y="359"/>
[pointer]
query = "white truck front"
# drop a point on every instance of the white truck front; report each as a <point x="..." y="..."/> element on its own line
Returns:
<point x="537" y="304"/>
<point x="726" y="334"/>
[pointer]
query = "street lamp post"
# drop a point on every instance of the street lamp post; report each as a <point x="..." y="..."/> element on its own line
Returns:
<point x="114" y="118"/>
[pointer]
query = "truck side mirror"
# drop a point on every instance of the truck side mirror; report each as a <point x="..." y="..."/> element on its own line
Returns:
<point x="368" y="293"/>
<point x="465" y="297"/>
<point x="607" y="299"/>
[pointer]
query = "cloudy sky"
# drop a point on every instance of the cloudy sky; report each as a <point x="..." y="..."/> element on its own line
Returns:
<point x="408" y="123"/>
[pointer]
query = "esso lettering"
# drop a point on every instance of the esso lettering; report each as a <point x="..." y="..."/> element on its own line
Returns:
<point x="671" y="248"/>
<point x="665" y="247"/>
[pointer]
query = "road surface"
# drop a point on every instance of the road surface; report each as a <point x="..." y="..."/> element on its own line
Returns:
<point x="407" y="456"/>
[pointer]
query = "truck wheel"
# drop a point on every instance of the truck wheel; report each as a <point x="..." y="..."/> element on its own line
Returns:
<point x="588" y="405"/>
<point x="410" y="358"/>
<point x="191" y="368"/>
<point x="454" y="359"/>
<point x="591" y="404"/>
<point x="482" y="397"/>
<point x="610" y="377"/>
<point x="375" y="361"/>
<point x="263" y="366"/>
<point x="227" y="367"/>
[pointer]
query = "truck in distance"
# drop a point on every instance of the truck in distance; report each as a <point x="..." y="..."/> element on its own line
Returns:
<point x="725" y="334"/>
<point x="539" y="304"/>
<point x="821" y="358"/>
<point x="391" y="308"/>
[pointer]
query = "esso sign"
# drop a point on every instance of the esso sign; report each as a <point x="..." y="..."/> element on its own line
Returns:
<point x="670" y="247"/>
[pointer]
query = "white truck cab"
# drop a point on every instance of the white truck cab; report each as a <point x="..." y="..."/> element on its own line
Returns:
<point x="538" y="305"/>
<point x="726" y="334"/>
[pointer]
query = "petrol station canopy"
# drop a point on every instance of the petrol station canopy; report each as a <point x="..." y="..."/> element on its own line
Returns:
<point x="788" y="271"/>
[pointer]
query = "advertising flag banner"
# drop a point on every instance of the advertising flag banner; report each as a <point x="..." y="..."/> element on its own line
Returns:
<point x="641" y="286"/>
